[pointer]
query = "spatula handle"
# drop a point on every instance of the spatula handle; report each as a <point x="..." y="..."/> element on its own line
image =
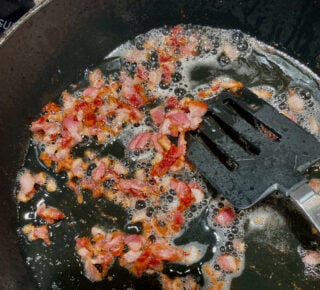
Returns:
<point x="309" y="202"/>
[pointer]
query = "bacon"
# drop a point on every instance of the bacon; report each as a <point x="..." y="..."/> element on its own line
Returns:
<point x="178" y="118"/>
<point x="197" y="108"/>
<point x="91" y="92"/>
<point x="225" y="216"/>
<point x="131" y="256"/>
<point x="35" y="233"/>
<point x="154" y="78"/>
<point x="40" y="178"/>
<point x="139" y="141"/>
<point x="311" y="258"/>
<point x="228" y="263"/>
<point x="99" y="172"/>
<point x="165" y="252"/>
<point x="73" y="126"/>
<point x="135" y="187"/>
<point x="295" y="103"/>
<point x="154" y="141"/>
<point x="167" y="70"/>
<point x="184" y="193"/>
<point x="78" y="167"/>
<point x="96" y="79"/>
<point x="129" y="92"/>
<point x="169" y="158"/>
<point x="119" y="168"/>
<point x="172" y="102"/>
<point x="142" y="73"/>
<point x="50" y="214"/>
<point x="157" y="115"/>
<point x="135" y="55"/>
<point x="27" y="183"/>
<point x="134" y="242"/>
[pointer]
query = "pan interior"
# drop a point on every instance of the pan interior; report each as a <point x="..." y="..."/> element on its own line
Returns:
<point x="273" y="228"/>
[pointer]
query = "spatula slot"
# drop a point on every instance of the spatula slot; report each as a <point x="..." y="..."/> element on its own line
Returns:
<point x="236" y="137"/>
<point x="224" y="158"/>
<point x="254" y="122"/>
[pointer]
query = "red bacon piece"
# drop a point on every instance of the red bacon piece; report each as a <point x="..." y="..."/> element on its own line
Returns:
<point x="50" y="214"/>
<point x="172" y="102"/>
<point x="139" y="141"/>
<point x="228" y="263"/>
<point x="73" y="127"/>
<point x="135" y="187"/>
<point x="35" y="233"/>
<point x="157" y="115"/>
<point x="169" y="158"/>
<point x="225" y="216"/>
<point x="184" y="193"/>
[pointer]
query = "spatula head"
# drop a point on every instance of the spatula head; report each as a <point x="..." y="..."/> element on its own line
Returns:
<point x="246" y="149"/>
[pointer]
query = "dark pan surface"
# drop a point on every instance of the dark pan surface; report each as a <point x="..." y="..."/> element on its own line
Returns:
<point x="53" y="47"/>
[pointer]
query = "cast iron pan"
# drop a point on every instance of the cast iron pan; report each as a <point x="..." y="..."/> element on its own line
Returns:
<point x="50" y="48"/>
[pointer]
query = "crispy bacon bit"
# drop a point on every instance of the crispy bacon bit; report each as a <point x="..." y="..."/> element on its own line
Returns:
<point x="73" y="126"/>
<point x="228" y="263"/>
<point x="35" y="233"/>
<point x="99" y="172"/>
<point x="51" y="185"/>
<point x="96" y="79"/>
<point x="225" y="216"/>
<point x="172" y="102"/>
<point x="50" y="214"/>
<point x="295" y="103"/>
<point x="135" y="187"/>
<point x="27" y="184"/>
<point x="311" y="258"/>
<point x="157" y="115"/>
<point x="184" y="193"/>
<point x="139" y="141"/>
<point x="169" y="158"/>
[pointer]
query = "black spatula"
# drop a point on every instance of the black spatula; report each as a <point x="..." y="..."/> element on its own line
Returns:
<point x="247" y="150"/>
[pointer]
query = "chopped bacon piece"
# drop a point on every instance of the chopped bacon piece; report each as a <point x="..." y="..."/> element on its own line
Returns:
<point x="129" y="92"/>
<point x="96" y="79"/>
<point x="172" y="102"/>
<point x="184" y="193"/>
<point x="99" y="172"/>
<point x="154" y="78"/>
<point x="50" y="214"/>
<point x="142" y="73"/>
<point x="35" y="233"/>
<point x="228" y="263"/>
<point x="311" y="258"/>
<point x="131" y="256"/>
<point x="225" y="216"/>
<point x="91" y="92"/>
<point x="165" y="252"/>
<point x="119" y="168"/>
<point x="73" y="126"/>
<point x="157" y="115"/>
<point x="197" y="108"/>
<point x="139" y="141"/>
<point x="135" y="187"/>
<point x="27" y="183"/>
<point x="134" y="242"/>
<point x="169" y="158"/>
<point x="78" y="167"/>
<point x="178" y="118"/>
<point x="135" y="55"/>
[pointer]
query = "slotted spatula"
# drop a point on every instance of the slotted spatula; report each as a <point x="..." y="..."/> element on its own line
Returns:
<point x="247" y="150"/>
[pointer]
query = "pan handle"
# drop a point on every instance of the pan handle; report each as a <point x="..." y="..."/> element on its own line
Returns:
<point x="309" y="202"/>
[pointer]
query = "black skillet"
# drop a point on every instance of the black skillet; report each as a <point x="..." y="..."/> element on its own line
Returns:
<point x="50" y="48"/>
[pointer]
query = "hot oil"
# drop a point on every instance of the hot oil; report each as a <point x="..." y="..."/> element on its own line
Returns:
<point x="225" y="53"/>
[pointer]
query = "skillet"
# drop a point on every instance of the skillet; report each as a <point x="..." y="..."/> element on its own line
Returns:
<point x="51" y="46"/>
